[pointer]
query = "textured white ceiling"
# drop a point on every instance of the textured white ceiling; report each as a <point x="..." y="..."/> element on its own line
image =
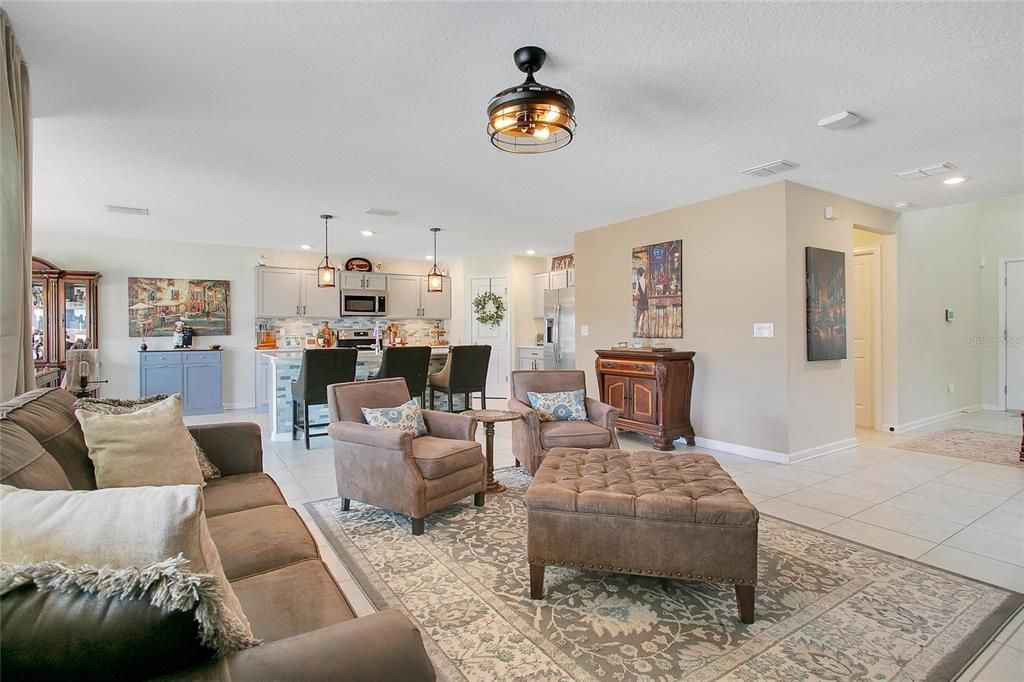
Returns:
<point x="240" y="123"/>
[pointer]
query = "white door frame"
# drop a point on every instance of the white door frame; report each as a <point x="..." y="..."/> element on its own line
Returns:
<point x="508" y="323"/>
<point x="1001" y="329"/>
<point x="876" y="333"/>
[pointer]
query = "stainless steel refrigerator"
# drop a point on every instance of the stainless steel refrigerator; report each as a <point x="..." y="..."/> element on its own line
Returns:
<point x="560" y="329"/>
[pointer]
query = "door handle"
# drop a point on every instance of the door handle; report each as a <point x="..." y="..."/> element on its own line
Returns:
<point x="297" y="310"/>
<point x="303" y="310"/>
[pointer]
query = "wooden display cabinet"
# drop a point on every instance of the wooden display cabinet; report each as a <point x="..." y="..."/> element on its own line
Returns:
<point x="652" y="391"/>
<point x="65" y="311"/>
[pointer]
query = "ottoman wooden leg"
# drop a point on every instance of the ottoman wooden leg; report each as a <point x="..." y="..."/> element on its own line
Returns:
<point x="536" y="581"/>
<point x="745" y="602"/>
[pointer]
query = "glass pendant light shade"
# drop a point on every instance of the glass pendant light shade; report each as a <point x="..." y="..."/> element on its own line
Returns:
<point x="325" y="274"/>
<point x="435" y="280"/>
<point x="531" y="118"/>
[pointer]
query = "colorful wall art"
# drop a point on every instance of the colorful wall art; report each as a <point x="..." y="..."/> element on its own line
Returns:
<point x="826" y="304"/>
<point x="658" y="290"/>
<point x="156" y="303"/>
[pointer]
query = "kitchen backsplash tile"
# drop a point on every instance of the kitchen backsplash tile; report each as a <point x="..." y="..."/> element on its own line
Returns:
<point x="416" y="331"/>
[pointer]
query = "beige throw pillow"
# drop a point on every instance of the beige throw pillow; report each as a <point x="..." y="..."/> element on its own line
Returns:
<point x="147" y="447"/>
<point x="119" y="529"/>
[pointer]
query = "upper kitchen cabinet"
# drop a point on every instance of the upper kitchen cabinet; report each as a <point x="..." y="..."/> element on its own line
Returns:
<point x="408" y="298"/>
<point x="322" y="302"/>
<point x="291" y="292"/>
<point x="369" y="281"/>
<point x="541" y="283"/>
<point x="559" y="279"/>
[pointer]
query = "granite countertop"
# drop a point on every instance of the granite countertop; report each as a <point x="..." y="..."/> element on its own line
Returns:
<point x="363" y="354"/>
<point x="181" y="350"/>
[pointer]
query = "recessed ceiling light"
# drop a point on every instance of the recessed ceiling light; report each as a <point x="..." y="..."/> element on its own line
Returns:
<point x="844" y="119"/>
<point x="902" y="204"/>
<point x="955" y="180"/>
<point x="367" y="233"/>
<point x="305" y="247"/>
<point x="530" y="252"/>
<point x="429" y="257"/>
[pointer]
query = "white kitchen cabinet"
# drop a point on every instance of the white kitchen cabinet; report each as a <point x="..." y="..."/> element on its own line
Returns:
<point x="278" y="292"/>
<point x="404" y="296"/>
<point x="559" y="279"/>
<point x="531" y="358"/>
<point x="324" y="303"/>
<point x="352" y="280"/>
<point x="572" y="276"/>
<point x="436" y="305"/>
<point x="541" y="283"/>
<point x="408" y="298"/>
<point x="375" y="281"/>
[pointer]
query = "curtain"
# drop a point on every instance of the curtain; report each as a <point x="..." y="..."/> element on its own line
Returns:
<point x="17" y="373"/>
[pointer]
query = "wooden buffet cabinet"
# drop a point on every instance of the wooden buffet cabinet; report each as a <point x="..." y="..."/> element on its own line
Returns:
<point x="652" y="390"/>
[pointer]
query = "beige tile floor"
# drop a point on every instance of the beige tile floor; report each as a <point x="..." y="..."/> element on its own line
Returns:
<point x="963" y="516"/>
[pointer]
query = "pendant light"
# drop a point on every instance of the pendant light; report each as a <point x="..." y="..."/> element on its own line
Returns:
<point x="531" y="118"/>
<point x="435" y="280"/>
<point x="325" y="276"/>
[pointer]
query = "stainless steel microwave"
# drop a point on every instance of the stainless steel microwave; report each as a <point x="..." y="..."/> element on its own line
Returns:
<point x="363" y="303"/>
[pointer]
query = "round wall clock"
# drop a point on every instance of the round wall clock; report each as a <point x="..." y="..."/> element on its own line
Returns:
<point x="359" y="265"/>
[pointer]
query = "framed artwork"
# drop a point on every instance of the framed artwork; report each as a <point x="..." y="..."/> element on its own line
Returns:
<point x="658" y="291"/>
<point x="563" y="262"/>
<point x="156" y="303"/>
<point x="826" y="304"/>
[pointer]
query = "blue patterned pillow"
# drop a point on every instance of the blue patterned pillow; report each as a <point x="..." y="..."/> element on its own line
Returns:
<point x="564" y="406"/>
<point x="406" y="417"/>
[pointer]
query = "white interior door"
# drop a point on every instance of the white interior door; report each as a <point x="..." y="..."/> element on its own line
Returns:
<point x="1015" y="335"/>
<point x="495" y="337"/>
<point x="863" y="330"/>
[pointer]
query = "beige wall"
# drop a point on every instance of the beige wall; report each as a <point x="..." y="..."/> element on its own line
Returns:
<point x="734" y="274"/>
<point x="821" y="393"/>
<point x="1002" y="236"/>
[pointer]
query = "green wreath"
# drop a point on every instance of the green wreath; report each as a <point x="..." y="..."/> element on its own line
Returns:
<point x="489" y="308"/>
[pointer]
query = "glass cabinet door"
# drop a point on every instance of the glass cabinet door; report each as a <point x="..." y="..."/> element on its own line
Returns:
<point x="39" y="312"/>
<point x="76" y="314"/>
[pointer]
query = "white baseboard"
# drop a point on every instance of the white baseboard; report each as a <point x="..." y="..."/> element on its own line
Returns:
<point x="239" y="406"/>
<point x="822" y="450"/>
<point x="934" y="419"/>
<point x="992" y="408"/>
<point x="743" y="450"/>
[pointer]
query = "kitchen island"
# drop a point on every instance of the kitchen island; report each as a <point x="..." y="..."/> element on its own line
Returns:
<point x="281" y="368"/>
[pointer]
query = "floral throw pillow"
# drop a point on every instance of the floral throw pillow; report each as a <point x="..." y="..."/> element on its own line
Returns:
<point x="406" y="417"/>
<point x="564" y="406"/>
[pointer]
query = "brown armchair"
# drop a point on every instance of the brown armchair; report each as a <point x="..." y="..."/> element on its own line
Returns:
<point x="532" y="438"/>
<point x="391" y="469"/>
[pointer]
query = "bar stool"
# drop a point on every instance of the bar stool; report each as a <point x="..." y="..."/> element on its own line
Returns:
<point x="320" y="367"/>
<point x="411" y="363"/>
<point x="465" y="372"/>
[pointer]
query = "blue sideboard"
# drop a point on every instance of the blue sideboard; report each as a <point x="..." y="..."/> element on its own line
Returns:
<point x="195" y="374"/>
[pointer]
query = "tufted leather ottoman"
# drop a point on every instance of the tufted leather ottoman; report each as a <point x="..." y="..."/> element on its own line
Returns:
<point x="647" y="513"/>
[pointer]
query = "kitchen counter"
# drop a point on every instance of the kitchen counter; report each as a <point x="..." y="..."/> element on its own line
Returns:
<point x="434" y="350"/>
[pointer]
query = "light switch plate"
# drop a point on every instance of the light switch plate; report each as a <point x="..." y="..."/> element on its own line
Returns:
<point x="584" y="330"/>
<point x="764" y="330"/>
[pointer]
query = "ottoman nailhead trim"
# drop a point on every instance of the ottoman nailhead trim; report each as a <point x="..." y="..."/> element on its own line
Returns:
<point x="643" y="571"/>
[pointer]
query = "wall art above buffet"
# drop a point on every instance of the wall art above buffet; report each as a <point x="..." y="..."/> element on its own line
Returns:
<point x="658" y="290"/>
<point x="155" y="304"/>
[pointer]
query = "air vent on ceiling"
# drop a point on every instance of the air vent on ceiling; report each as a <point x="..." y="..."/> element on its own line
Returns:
<point x="926" y="171"/>
<point x="382" y="212"/>
<point x="772" y="168"/>
<point x="130" y="210"/>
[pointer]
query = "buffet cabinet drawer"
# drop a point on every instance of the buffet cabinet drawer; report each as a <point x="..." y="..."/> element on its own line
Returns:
<point x="202" y="357"/>
<point x="633" y="367"/>
<point x="158" y="358"/>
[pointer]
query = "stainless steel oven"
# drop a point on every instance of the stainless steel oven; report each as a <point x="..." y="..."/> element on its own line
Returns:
<point x="363" y="303"/>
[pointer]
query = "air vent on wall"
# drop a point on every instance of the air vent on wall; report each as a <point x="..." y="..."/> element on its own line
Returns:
<point x="381" y="211"/>
<point x="772" y="168"/>
<point x="926" y="171"/>
<point x="130" y="210"/>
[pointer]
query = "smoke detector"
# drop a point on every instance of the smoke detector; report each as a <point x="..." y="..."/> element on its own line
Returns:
<point x="844" y="119"/>
<point x="387" y="212"/>
<point x="902" y="204"/>
<point x="128" y="210"/>
<point x="926" y="171"/>
<point x="772" y="168"/>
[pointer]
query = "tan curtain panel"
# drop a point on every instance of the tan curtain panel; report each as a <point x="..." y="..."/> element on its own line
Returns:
<point x="17" y="373"/>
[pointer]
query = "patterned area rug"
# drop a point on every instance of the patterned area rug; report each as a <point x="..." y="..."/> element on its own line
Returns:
<point x="827" y="608"/>
<point x="980" y="446"/>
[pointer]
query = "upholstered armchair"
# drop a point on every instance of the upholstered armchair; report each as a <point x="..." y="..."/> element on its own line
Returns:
<point x="391" y="469"/>
<point x="532" y="438"/>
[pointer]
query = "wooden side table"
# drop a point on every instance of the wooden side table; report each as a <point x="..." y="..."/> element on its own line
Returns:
<point x="489" y="419"/>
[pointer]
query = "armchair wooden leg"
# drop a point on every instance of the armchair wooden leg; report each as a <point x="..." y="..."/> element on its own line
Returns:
<point x="536" y="581"/>
<point x="305" y="422"/>
<point x="745" y="602"/>
<point x="478" y="499"/>
<point x="417" y="526"/>
<point x="345" y="504"/>
<point x="518" y="464"/>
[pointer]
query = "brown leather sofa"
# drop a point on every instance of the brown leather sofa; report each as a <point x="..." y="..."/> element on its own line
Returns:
<point x="389" y="468"/>
<point x="308" y="627"/>
<point x="532" y="438"/>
